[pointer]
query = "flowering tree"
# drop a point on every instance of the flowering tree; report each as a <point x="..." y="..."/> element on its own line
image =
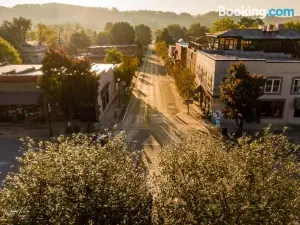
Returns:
<point x="204" y="181"/>
<point x="71" y="180"/>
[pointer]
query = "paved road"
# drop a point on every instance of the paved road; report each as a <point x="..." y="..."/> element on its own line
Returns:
<point x="149" y="120"/>
<point x="9" y="150"/>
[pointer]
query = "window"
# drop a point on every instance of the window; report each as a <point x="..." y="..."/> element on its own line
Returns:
<point x="297" y="113"/>
<point x="296" y="86"/>
<point x="272" y="86"/>
<point x="272" y="109"/>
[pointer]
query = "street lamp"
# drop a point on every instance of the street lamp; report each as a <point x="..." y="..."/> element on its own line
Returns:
<point x="118" y="87"/>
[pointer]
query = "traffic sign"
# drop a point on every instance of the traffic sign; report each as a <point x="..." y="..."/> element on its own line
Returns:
<point x="189" y="102"/>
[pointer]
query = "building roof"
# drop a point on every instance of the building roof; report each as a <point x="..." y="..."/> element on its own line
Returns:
<point x="254" y="34"/>
<point x="184" y="45"/>
<point x="112" y="46"/>
<point x="100" y="68"/>
<point x="16" y="98"/>
<point x="247" y="56"/>
<point x="22" y="70"/>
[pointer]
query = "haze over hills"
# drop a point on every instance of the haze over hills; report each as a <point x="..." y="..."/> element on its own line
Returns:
<point x="95" y="18"/>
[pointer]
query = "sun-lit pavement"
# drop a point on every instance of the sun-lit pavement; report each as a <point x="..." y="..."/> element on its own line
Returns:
<point x="154" y="111"/>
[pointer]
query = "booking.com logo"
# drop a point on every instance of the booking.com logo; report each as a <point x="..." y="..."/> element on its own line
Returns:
<point x="262" y="13"/>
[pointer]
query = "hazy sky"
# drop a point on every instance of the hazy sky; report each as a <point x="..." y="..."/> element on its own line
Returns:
<point x="190" y="6"/>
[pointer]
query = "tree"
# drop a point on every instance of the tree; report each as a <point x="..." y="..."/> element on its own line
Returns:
<point x="8" y="53"/>
<point x="247" y="22"/>
<point x="113" y="56"/>
<point x="103" y="38"/>
<point x="127" y="69"/>
<point x="143" y="34"/>
<point x="108" y="27"/>
<point x="224" y="24"/>
<point x="161" y="50"/>
<point x="72" y="180"/>
<point x="292" y="25"/>
<point x="67" y="82"/>
<point x="185" y="82"/>
<point x="164" y="36"/>
<point x="79" y="41"/>
<point x="177" y="32"/>
<point x="122" y="33"/>
<point x="203" y="180"/>
<point x="196" y="30"/>
<point x="15" y="31"/>
<point x="46" y="35"/>
<point x="240" y="91"/>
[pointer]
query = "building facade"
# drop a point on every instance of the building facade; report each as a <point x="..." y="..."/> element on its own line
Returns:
<point x="272" y="53"/>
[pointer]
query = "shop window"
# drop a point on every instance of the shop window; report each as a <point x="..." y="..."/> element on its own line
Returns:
<point x="272" y="109"/>
<point x="297" y="113"/>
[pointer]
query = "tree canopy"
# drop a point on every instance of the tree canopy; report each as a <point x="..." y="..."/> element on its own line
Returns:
<point x="203" y="180"/>
<point x="8" y="53"/>
<point x="164" y="36"/>
<point x="113" y="56"/>
<point x="72" y="180"/>
<point x="292" y="25"/>
<point x="103" y="38"/>
<point x="122" y="33"/>
<point x="15" y="31"/>
<point x="247" y="22"/>
<point x="143" y="34"/>
<point x="79" y="41"/>
<point x="68" y="82"/>
<point x="127" y="69"/>
<point x="196" y="30"/>
<point x="224" y="24"/>
<point x="240" y="91"/>
<point x="178" y="32"/>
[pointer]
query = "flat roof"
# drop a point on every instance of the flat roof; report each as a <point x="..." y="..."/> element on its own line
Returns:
<point x="254" y="34"/>
<point x="111" y="46"/>
<point x="99" y="68"/>
<point x="30" y="70"/>
<point x="256" y="56"/>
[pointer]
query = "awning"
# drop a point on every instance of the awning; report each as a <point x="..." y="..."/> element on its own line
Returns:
<point x="17" y="98"/>
<point x="297" y="103"/>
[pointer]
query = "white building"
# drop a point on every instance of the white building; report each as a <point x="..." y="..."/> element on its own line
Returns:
<point x="107" y="86"/>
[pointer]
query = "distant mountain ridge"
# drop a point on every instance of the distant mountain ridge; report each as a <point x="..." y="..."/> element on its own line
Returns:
<point x="96" y="17"/>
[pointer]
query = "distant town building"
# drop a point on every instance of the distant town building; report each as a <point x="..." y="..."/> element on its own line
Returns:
<point x="97" y="53"/>
<point x="32" y="52"/>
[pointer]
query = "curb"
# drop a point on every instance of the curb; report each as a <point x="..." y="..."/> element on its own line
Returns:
<point x="181" y="119"/>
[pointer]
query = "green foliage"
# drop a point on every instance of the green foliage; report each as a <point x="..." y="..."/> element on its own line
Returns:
<point x="8" y="53"/>
<point x="292" y="25"/>
<point x="240" y="91"/>
<point x="184" y="80"/>
<point x="204" y="181"/>
<point x="177" y="32"/>
<point x="79" y="41"/>
<point x="247" y="22"/>
<point x="67" y="82"/>
<point x="224" y="24"/>
<point x="127" y="69"/>
<point x="122" y="33"/>
<point x="15" y="31"/>
<point x="143" y="34"/>
<point x="70" y="180"/>
<point x="108" y="27"/>
<point x="196" y="30"/>
<point x="103" y="38"/>
<point x="164" y="36"/>
<point x="113" y="56"/>
<point x="161" y="50"/>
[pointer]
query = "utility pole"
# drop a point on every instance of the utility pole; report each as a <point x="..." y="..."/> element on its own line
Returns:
<point x="49" y="118"/>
